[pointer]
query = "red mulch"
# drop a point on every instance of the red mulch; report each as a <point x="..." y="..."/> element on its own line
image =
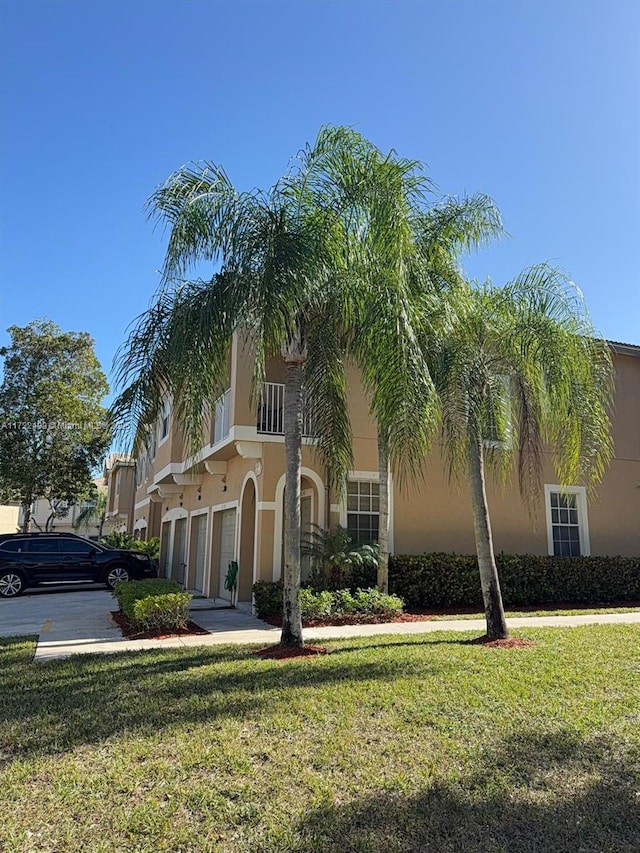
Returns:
<point x="131" y="634"/>
<point x="509" y="643"/>
<point x="286" y="652"/>
<point x="353" y="619"/>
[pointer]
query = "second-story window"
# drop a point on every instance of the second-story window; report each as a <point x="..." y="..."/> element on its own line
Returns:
<point x="153" y="443"/>
<point x="164" y="421"/>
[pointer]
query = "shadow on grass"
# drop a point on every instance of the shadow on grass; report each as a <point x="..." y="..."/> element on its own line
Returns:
<point x="532" y="794"/>
<point x="51" y="707"/>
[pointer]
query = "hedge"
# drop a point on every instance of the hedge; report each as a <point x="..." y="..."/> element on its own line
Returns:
<point x="154" y="605"/>
<point x="326" y="604"/>
<point x="451" y="580"/>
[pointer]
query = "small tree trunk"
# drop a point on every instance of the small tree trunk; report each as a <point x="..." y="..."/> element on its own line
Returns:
<point x="493" y="607"/>
<point x="383" y="528"/>
<point x="291" y="616"/>
<point x="26" y="517"/>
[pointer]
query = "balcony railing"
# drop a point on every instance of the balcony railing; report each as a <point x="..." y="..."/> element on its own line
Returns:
<point x="221" y="417"/>
<point x="271" y="411"/>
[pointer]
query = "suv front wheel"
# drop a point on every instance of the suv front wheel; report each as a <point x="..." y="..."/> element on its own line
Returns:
<point x="118" y="574"/>
<point x="11" y="584"/>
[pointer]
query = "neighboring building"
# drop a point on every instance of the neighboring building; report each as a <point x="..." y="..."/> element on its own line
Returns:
<point x="9" y="518"/>
<point x="66" y="516"/>
<point x="119" y="477"/>
<point x="229" y="505"/>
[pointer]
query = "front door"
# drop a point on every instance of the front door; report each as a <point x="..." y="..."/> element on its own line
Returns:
<point x="165" y="561"/>
<point x="227" y="547"/>
<point x="179" y="550"/>
<point x="200" y="543"/>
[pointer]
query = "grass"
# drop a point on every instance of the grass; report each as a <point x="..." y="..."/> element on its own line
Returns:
<point x="419" y="743"/>
<point x="549" y="611"/>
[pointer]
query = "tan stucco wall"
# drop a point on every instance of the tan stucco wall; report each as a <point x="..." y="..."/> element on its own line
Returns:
<point x="434" y="515"/>
<point x="9" y="518"/>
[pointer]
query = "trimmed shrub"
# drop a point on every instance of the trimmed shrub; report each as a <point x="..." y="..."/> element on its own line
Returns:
<point x="267" y="596"/>
<point x="154" y="605"/>
<point x="326" y="604"/>
<point x="168" y="612"/>
<point x="442" y="581"/>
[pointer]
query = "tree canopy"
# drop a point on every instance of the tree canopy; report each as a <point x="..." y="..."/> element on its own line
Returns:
<point x="53" y="429"/>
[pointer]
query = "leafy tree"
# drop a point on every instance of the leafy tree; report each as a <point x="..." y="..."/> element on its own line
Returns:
<point x="521" y="370"/>
<point x="293" y="282"/>
<point x="53" y="430"/>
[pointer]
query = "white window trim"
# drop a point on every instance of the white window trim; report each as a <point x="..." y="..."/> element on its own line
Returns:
<point x="373" y="476"/>
<point x="166" y="412"/>
<point x="583" y="517"/>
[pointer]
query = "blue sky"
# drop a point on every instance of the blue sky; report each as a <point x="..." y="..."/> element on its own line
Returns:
<point x="534" y="103"/>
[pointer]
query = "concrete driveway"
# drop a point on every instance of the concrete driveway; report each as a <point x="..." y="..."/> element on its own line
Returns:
<point x="76" y="620"/>
<point x="70" y="611"/>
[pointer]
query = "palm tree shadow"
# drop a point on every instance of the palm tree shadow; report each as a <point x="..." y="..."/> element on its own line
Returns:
<point x="531" y="794"/>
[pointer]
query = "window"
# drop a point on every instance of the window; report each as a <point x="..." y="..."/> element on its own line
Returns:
<point x="42" y="546"/>
<point x="153" y="443"/>
<point x="567" y="527"/>
<point x="164" y="421"/>
<point x="363" y="510"/>
<point x="76" y="546"/>
<point x="117" y="482"/>
<point x="14" y="546"/>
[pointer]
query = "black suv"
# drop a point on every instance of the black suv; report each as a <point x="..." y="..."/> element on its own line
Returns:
<point x="27" y="559"/>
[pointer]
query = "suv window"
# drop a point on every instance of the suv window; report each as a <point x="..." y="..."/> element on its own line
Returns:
<point x="41" y="546"/>
<point x="76" y="546"/>
<point x="12" y="545"/>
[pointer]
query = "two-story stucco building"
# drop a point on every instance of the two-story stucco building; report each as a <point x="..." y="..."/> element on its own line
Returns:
<point x="229" y="505"/>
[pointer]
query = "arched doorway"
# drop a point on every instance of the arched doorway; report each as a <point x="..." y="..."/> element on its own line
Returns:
<point x="247" y="548"/>
<point x="312" y="504"/>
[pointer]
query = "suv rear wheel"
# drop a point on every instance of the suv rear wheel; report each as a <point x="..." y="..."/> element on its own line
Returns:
<point x="117" y="574"/>
<point x="11" y="584"/>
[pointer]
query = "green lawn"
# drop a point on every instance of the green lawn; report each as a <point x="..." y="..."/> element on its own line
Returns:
<point x="550" y="611"/>
<point x="386" y="744"/>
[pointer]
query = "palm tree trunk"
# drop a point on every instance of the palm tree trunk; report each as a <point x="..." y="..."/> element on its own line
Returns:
<point x="383" y="521"/>
<point x="291" y="616"/>
<point x="493" y="607"/>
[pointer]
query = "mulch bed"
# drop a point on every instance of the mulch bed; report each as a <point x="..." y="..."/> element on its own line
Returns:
<point x="132" y="634"/>
<point x="509" y="643"/>
<point x="353" y="619"/>
<point x="287" y="652"/>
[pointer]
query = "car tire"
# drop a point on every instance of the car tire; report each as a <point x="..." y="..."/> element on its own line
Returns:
<point x="12" y="583"/>
<point x="116" y="574"/>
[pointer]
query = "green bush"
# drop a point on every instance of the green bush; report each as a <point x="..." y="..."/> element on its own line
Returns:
<point x="167" y="612"/>
<point x="129" y="543"/>
<point x="128" y="594"/>
<point x="315" y="605"/>
<point x="326" y="604"/>
<point x="267" y="596"/>
<point x="451" y="580"/>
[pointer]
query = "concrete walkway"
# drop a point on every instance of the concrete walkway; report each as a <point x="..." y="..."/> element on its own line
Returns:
<point x="79" y="622"/>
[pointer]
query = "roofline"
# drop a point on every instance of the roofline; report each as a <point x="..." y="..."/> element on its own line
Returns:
<point x="624" y="349"/>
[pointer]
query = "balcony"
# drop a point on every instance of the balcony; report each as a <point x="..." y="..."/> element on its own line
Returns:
<point x="271" y="412"/>
<point x="221" y="417"/>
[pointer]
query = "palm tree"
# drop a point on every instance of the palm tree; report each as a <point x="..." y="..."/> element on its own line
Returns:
<point x="290" y="281"/>
<point x="93" y="513"/>
<point x="437" y="236"/>
<point x="521" y="369"/>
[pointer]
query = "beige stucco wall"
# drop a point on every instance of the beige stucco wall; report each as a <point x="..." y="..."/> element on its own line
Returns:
<point x="432" y="515"/>
<point x="9" y="518"/>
